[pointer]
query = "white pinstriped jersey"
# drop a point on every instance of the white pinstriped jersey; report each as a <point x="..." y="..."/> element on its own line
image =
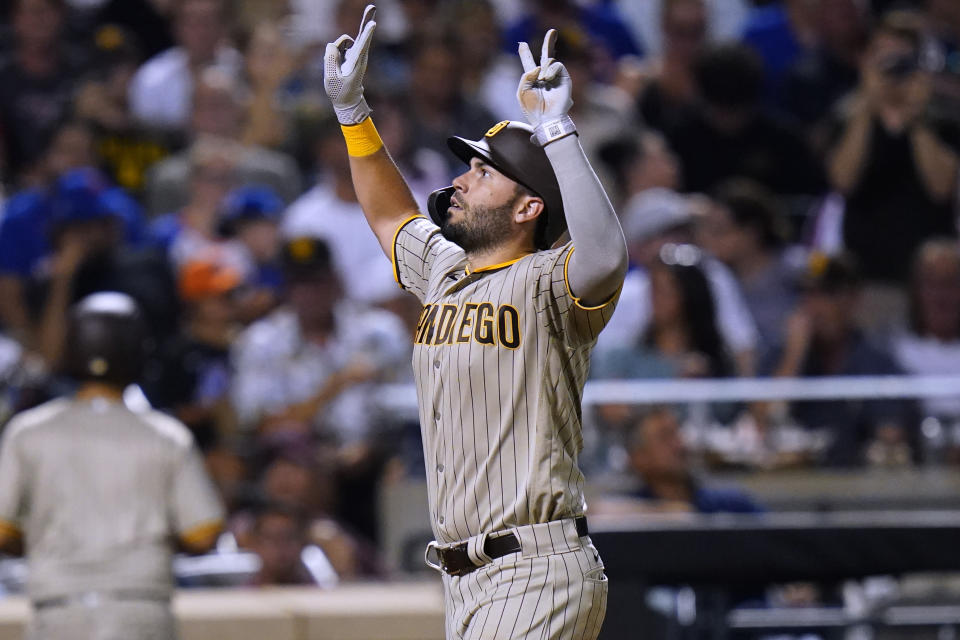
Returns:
<point x="500" y="359"/>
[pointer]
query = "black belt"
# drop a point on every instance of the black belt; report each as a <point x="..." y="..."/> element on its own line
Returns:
<point x="456" y="562"/>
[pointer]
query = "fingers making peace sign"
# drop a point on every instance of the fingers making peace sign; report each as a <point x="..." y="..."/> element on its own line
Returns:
<point x="545" y="89"/>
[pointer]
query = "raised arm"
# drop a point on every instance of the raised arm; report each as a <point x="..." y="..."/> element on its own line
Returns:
<point x="383" y="194"/>
<point x="599" y="261"/>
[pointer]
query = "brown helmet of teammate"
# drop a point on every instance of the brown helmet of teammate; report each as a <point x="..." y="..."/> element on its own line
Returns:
<point x="106" y="339"/>
<point x="507" y="147"/>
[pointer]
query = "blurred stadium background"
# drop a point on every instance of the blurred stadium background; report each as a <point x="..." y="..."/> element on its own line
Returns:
<point x="772" y="426"/>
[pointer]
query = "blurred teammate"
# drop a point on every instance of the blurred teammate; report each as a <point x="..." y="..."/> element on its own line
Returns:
<point x="503" y="346"/>
<point x="101" y="495"/>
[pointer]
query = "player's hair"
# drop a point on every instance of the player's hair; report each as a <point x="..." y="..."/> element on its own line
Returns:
<point x="752" y="206"/>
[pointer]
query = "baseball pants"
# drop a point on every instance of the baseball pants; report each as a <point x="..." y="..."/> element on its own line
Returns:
<point x="554" y="588"/>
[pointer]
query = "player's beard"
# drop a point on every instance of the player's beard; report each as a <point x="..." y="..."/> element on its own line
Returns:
<point x="482" y="228"/>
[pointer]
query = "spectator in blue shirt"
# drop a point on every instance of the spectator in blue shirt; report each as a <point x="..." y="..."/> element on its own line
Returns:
<point x="25" y="235"/>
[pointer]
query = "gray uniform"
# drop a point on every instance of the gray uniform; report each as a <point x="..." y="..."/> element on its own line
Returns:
<point x="500" y="358"/>
<point x="99" y="493"/>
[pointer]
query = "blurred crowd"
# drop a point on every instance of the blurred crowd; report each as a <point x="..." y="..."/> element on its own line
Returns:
<point x="785" y="172"/>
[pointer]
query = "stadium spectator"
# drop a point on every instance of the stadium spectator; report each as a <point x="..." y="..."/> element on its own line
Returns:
<point x="490" y="78"/>
<point x="193" y="230"/>
<point x="745" y="229"/>
<point x="895" y="164"/>
<point x="250" y="220"/>
<point x="602" y="113"/>
<point x="653" y="219"/>
<point x="637" y="163"/>
<point x="306" y="363"/>
<point x="943" y="28"/>
<point x="662" y="477"/>
<point x="437" y="108"/>
<point x="25" y="233"/>
<point x="89" y="254"/>
<point x="161" y="90"/>
<point x="781" y="32"/>
<point x="731" y="135"/>
<point x="217" y="112"/>
<point x="829" y="70"/>
<point x="279" y="537"/>
<point x="24" y="244"/>
<point x="37" y="80"/>
<point x="666" y="87"/>
<point x="682" y="339"/>
<point x="268" y="64"/>
<point x="148" y="20"/>
<point x="330" y="211"/>
<point x="931" y="343"/>
<point x="659" y="460"/>
<point x="725" y="21"/>
<point x="123" y="148"/>
<point x="191" y="375"/>
<point x="822" y="339"/>
<point x="424" y="169"/>
<point x="600" y="21"/>
<point x="230" y="474"/>
<point x="298" y="477"/>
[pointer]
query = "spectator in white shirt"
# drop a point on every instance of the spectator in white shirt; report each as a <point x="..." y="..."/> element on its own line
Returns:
<point x="308" y="364"/>
<point x="217" y="111"/>
<point x="162" y="89"/>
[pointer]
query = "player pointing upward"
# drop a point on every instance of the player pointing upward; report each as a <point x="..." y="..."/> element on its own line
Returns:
<point x="502" y="347"/>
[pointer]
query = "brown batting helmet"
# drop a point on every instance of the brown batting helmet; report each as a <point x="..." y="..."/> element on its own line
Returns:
<point x="508" y="148"/>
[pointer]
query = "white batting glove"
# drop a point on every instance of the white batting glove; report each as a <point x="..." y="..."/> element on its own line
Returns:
<point x="345" y="62"/>
<point x="545" y="92"/>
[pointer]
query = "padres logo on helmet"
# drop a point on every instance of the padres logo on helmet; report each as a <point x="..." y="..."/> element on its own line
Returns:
<point x="507" y="147"/>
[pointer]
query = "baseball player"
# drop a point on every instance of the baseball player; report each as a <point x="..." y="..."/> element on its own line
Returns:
<point x="502" y="347"/>
<point x="100" y="494"/>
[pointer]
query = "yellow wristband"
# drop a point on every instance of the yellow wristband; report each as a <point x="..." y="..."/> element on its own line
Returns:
<point x="362" y="139"/>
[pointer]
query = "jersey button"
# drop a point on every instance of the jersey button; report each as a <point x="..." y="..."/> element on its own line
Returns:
<point x="440" y="468"/>
<point x="436" y="363"/>
<point x="440" y="520"/>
